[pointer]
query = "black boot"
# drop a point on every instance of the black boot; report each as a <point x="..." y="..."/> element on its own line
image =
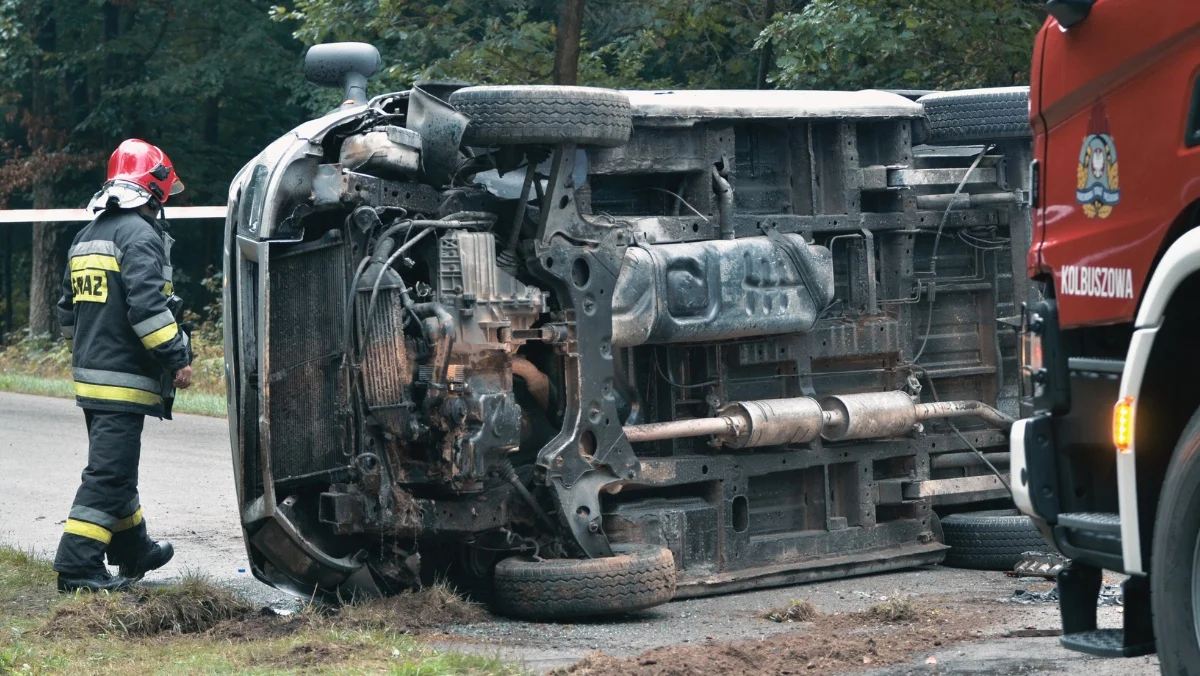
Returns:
<point x="152" y="558"/>
<point x="99" y="580"/>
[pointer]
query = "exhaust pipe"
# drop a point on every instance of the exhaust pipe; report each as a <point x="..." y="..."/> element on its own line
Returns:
<point x="776" y="422"/>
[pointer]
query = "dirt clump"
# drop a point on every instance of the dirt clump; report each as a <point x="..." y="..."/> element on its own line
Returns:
<point x="189" y="607"/>
<point x="835" y="643"/>
<point x="796" y="611"/>
<point x="895" y="610"/>
<point x="410" y="612"/>
<point x="264" y="624"/>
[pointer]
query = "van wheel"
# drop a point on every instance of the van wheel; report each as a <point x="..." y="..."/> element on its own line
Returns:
<point x="1175" y="560"/>
<point x="544" y="115"/>
<point x="561" y="589"/>
<point x="977" y="116"/>
<point x="990" y="541"/>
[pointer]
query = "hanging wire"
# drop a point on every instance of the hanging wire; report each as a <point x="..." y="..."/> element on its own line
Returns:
<point x="938" y="239"/>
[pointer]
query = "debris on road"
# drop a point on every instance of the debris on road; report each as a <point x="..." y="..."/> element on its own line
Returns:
<point x="1032" y="632"/>
<point x="1110" y="595"/>
<point x="1039" y="564"/>
<point x="840" y="642"/>
<point x="796" y="611"/>
<point x="894" y="610"/>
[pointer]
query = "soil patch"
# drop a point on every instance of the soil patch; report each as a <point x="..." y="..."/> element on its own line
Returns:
<point x="192" y="606"/>
<point x="411" y="612"/>
<point x="833" y="643"/>
<point x="259" y="625"/>
<point x="313" y="654"/>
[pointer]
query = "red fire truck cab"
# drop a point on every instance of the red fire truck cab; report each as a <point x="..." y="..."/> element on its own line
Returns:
<point x="1107" y="456"/>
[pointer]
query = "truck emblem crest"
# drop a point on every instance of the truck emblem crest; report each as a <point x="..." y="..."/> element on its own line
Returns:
<point x="1097" y="186"/>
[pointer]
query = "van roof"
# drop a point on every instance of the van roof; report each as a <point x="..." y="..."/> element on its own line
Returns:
<point x="683" y="104"/>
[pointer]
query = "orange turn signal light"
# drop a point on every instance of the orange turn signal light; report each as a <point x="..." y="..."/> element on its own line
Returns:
<point x="1123" y="425"/>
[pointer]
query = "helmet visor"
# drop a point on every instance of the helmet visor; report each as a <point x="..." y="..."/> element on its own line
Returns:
<point x="177" y="186"/>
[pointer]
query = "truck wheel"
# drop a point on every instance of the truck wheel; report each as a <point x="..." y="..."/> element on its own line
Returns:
<point x="977" y="116"/>
<point x="990" y="541"/>
<point x="1175" y="560"/>
<point x="540" y="114"/>
<point x="561" y="589"/>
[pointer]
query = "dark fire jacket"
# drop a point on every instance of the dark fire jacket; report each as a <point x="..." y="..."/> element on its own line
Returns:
<point x="125" y="341"/>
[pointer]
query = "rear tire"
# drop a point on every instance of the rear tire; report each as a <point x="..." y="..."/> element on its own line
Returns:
<point x="1174" y="565"/>
<point x="544" y="115"/>
<point x="989" y="541"/>
<point x="562" y="589"/>
<point x="977" y="116"/>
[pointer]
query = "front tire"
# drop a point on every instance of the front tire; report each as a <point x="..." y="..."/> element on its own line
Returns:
<point x="1175" y="560"/>
<point x="564" y="589"/>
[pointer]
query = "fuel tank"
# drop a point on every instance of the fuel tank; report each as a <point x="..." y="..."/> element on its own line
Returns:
<point x="720" y="289"/>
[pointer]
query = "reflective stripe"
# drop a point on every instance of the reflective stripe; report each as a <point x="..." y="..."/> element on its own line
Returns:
<point x="160" y="336"/>
<point x="95" y="262"/>
<point x="81" y="513"/>
<point x="148" y="326"/>
<point x="95" y="247"/>
<point x="115" y="378"/>
<point x="88" y="530"/>
<point x="134" y="505"/>
<point x="109" y="393"/>
<point x="129" y="522"/>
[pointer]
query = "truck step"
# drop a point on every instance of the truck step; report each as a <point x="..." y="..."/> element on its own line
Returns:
<point x="1097" y="522"/>
<point x="1105" y="643"/>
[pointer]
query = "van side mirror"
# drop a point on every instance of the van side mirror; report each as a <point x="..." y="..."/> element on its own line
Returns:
<point x="343" y="64"/>
<point x="1069" y="12"/>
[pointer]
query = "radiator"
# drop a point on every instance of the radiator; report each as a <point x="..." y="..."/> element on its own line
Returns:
<point x="307" y="308"/>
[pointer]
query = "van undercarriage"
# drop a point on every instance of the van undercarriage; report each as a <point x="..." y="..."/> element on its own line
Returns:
<point x="495" y="330"/>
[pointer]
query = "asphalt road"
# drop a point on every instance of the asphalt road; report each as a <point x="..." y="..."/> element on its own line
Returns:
<point x="187" y="495"/>
<point x="186" y="487"/>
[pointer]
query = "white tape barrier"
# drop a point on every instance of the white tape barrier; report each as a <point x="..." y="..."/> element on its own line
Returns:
<point x="83" y="215"/>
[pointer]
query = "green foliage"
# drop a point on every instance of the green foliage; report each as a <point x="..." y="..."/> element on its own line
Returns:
<point x="921" y="44"/>
<point x="42" y="366"/>
<point x="626" y="43"/>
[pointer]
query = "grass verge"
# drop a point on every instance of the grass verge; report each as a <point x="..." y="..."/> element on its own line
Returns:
<point x="199" y="403"/>
<point x="195" y="626"/>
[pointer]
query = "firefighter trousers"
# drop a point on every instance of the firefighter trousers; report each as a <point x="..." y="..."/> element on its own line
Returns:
<point x="106" y="517"/>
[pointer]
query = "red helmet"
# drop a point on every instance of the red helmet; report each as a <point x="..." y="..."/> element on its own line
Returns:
<point x="137" y="173"/>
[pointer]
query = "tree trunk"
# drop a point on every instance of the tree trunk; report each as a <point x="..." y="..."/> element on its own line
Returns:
<point x="766" y="55"/>
<point x="48" y="265"/>
<point x="566" y="46"/>
<point x="8" y="284"/>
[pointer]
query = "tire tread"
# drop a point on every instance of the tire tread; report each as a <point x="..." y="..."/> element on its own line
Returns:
<point x="573" y="588"/>
<point x="508" y="115"/>
<point x="977" y="115"/>
<point x="990" y="542"/>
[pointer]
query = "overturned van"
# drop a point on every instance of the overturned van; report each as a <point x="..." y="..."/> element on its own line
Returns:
<point x="590" y="350"/>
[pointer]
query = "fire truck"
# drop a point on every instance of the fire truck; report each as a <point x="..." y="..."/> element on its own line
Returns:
<point x="1106" y="457"/>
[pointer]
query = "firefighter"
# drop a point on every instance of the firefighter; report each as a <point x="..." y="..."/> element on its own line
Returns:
<point x="120" y="317"/>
